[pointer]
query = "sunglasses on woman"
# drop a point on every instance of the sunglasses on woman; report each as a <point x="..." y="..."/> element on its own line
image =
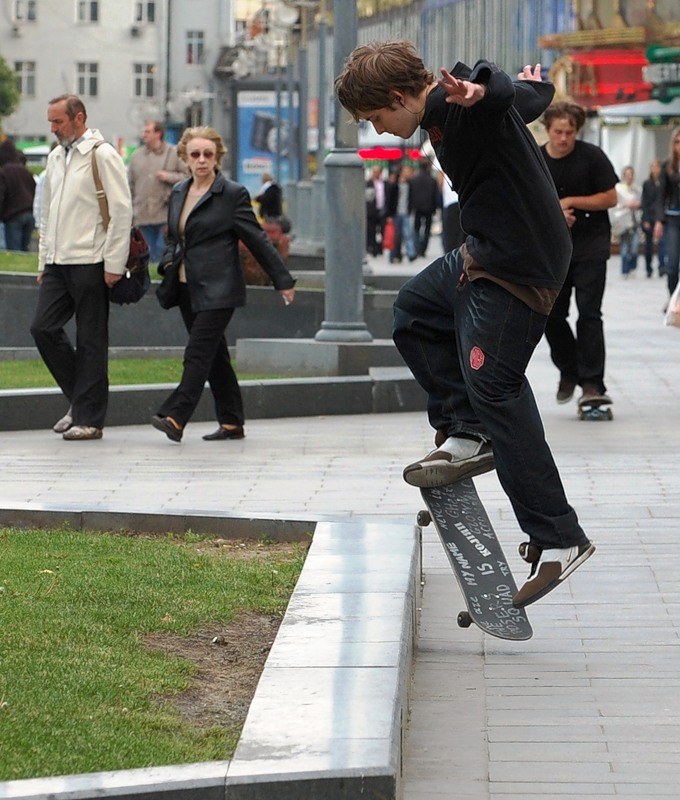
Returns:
<point x="207" y="154"/>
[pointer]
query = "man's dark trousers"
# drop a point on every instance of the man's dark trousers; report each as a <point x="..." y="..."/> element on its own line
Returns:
<point x="580" y="358"/>
<point x="468" y="344"/>
<point x="81" y="372"/>
<point x="206" y="357"/>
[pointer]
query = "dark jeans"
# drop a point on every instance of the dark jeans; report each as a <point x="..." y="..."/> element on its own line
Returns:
<point x="422" y="222"/>
<point x="155" y="239"/>
<point x="468" y="345"/>
<point x="648" y="228"/>
<point x="629" y="244"/>
<point x="206" y="358"/>
<point x="375" y="226"/>
<point x="580" y="358"/>
<point x="403" y="234"/>
<point x="18" y="232"/>
<point x="81" y="372"/>
<point x="671" y="235"/>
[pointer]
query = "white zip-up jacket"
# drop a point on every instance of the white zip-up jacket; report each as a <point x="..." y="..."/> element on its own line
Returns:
<point x="71" y="227"/>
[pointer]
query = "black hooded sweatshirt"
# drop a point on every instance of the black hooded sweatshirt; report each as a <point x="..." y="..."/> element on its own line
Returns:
<point x="510" y="211"/>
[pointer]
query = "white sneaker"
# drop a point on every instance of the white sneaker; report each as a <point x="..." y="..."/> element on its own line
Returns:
<point x="457" y="458"/>
<point x="548" y="569"/>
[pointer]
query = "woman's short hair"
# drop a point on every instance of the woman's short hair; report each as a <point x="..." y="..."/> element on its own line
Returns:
<point x="202" y="132"/>
<point x="373" y="72"/>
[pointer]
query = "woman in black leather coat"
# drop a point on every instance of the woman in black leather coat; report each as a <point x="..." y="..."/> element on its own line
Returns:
<point x="207" y="217"/>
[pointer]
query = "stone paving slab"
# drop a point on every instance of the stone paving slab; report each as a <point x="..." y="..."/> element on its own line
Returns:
<point x="601" y="670"/>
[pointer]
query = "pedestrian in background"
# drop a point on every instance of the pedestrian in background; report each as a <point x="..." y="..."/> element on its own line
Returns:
<point x="154" y="169"/>
<point x="425" y="200"/>
<point x="398" y="208"/>
<point x="375" y="211"/>
<point x="586" y="185"/>
<point x="270" y="199"/>
<point x="207" y="217"/>
<point x="625" y="218"/>
<point x="79" y="260"/>
<point x="667" y="223"/>
<point x="649" y="200"/>
<point x="17" y="190"/>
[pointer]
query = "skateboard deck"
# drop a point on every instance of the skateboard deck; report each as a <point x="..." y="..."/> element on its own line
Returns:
<point x="595" y="408"/>
<point x="477" y="559"/>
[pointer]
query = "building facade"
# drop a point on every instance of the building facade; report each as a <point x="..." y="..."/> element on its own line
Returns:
<point x="129" y="60"/>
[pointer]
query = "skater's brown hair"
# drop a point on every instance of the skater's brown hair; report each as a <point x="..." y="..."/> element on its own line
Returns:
<point x="374" y="71"/>
<point x="561" y="109"/>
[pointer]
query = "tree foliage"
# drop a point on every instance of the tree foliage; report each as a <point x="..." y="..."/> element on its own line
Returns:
<point x="9" y="93"/>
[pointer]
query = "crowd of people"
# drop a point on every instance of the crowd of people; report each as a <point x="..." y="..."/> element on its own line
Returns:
<point x="405" y="204"/>
<point x="401" y="205"/>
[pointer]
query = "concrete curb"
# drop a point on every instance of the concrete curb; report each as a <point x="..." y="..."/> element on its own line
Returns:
<point x="329" y="714"/>
<point x="383" y="390"/>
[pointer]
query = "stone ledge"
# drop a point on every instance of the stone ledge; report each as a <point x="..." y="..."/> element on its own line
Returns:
<point x="377" y="393"/>
<point x="329" y="713"/>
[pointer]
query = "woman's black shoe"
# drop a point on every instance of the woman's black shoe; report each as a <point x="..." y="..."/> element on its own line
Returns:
<point x="225" y="433"/>
<point x="163" y="424"/>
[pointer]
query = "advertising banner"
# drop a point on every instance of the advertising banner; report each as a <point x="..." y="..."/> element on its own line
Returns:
<point x="266" y="142"/>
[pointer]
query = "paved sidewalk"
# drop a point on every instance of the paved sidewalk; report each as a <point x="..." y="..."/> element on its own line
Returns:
<point x="590" y="706"/>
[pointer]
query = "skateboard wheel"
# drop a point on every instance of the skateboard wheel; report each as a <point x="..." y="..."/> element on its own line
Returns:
<point x="610" y="414"/>
<point x="424" y="518"/>
<point x="464" y="619"/>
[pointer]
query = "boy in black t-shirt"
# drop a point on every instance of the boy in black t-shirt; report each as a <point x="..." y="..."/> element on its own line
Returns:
<point x="468" y="324"/>
<point x="586" y="185"/>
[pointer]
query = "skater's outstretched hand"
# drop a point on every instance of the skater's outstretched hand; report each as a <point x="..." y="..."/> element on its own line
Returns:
<point x="463" y="93"/>
<point x="530" y="73"/>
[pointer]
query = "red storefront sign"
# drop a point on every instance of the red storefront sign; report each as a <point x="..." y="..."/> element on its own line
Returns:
<point x="605" y="77"/>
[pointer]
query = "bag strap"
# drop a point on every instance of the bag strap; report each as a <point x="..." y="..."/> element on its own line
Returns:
<point x="101" y="194"/>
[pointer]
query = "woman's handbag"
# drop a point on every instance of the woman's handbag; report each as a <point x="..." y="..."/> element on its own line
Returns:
<point x="136" y="279"/>
<point x="168" y="289"/>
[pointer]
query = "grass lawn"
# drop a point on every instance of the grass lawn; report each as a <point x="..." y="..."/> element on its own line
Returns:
<point x="11" y="261"/>
<point x="18" y="262"/>
<point x="81" y="689"/>
<point x="33" y="374"/>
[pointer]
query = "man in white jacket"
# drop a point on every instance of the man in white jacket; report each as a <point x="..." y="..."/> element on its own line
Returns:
<point x="79" y="260"/>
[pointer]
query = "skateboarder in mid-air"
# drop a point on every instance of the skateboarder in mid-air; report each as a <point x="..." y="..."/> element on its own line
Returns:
<point x="468" y="324"/>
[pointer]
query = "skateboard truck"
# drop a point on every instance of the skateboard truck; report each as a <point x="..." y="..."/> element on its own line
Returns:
<point x="595" y="408"/>
<point x="477" y="559"/>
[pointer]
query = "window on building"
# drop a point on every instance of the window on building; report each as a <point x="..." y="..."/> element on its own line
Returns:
<point x="88" y="10"/>
<point x="145" y="11"/>
<point x="144" y="81"/>
<point x="195" y="47"/>
<point x="87" y="78"/>
<point x="25" y="10"/>
<point x="25" y="72"/>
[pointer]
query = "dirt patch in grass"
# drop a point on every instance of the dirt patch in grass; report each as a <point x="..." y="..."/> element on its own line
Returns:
<point x="229" y="661"/>
<point x="229" y="658"/>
